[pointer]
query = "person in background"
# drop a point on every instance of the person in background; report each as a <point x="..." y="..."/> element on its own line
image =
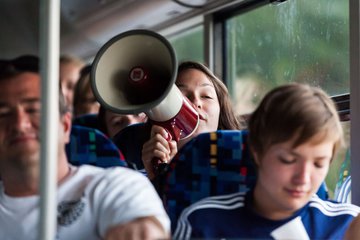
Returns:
<point x="69" y="73"/>
<point x="295" y="131"/>
<point x="92" y="202"/>
<point x="111" y="123"/>
<point x="84" y="99"/>
<point x="211" y="100"/>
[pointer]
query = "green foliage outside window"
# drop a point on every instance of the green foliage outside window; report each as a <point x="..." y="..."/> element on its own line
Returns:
<point x="296" y="41"/>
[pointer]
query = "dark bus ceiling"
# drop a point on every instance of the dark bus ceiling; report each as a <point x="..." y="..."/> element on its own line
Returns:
<point x="87" y="24"/>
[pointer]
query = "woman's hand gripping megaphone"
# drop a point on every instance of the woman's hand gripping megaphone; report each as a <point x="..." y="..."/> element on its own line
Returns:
<point x="162" y="146"/>
<point x="158" y="151"/>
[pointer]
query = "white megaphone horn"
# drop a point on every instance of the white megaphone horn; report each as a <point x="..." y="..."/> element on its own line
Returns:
<point x="135" y="72"/>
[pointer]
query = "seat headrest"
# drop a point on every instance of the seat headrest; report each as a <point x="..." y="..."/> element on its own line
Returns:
<point x="90" y="146"/>
<point x="210" y="164"/>
<point x="130" y="141"/>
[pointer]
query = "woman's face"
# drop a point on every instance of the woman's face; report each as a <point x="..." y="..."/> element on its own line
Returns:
<point x="288" y="177"/>
<point x="196" y="86"/>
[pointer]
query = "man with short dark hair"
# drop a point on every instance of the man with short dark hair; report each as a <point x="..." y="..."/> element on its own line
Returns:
<point x="93" y="203"/>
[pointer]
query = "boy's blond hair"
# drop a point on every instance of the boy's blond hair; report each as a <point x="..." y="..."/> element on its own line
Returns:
<point x="294" y="111"/>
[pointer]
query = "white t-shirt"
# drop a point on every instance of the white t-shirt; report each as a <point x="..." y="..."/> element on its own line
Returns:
<point x="90" y="201"/>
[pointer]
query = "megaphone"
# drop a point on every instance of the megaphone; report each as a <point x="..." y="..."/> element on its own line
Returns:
<point x="135" y="72"/>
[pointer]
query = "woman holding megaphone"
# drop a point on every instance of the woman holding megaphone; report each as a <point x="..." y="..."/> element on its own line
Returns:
<point x="137" y="71"/>
<point x="209" y="97"/>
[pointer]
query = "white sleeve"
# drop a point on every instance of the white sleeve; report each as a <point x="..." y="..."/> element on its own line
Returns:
<point x="121" y="195"/>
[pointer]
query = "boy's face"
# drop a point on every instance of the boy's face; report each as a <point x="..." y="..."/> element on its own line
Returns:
<point x="288" y="177"/>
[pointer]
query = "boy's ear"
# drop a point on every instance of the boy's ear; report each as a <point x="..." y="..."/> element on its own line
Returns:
<point x="255" y="156"/>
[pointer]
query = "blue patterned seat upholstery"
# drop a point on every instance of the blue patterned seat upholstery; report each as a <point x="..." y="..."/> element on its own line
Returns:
<point x="130" y="141"/>
<point x="210" y="164"/>
<point x="90" y="146"/>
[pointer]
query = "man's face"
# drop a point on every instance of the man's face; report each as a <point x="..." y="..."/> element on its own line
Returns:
<point x="19" y="120"/>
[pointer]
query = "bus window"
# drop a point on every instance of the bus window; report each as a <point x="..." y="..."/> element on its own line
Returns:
<point x="295" y="41"/>
<point x="189" y="44"/>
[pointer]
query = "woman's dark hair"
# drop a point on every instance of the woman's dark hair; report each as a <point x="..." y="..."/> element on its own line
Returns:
<point x="82" y="86"/>
<point x="101" y="120"/>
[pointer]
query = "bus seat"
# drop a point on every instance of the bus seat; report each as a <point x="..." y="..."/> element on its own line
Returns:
<point x="130" y="141"/>
<point x="210" y="164"/>
<point x="90" y="146"/>
<point x="214" y="163"/>
<point x="87" y="120"/>
<point x="343" y="193"/>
